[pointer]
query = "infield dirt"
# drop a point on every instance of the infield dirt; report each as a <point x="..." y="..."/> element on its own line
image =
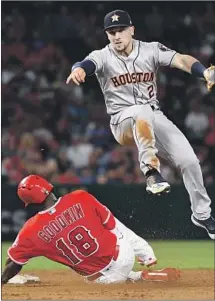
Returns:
<point x="66" y="285"/>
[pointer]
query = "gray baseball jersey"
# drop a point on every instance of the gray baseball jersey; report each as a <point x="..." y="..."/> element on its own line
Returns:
<point x="131" y="80"/>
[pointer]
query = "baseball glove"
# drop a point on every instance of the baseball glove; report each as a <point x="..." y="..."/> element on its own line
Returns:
<point x="210" y="77"/>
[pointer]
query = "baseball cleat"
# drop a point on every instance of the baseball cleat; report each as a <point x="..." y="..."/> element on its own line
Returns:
<point x="207" y="224"/>
<point x="156" y="185"/>
<point x="164" y="275"/>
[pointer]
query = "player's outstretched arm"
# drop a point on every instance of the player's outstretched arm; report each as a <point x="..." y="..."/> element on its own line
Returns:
<point x="11" y="269"/>
<point x="80" y="70"/>
<point x="191" y="65"/>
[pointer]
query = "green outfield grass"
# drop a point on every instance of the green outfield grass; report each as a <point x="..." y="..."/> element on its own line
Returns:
<point x="179" y="254"/>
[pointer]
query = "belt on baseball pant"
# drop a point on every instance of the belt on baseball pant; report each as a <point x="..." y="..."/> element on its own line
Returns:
<point x="99" y="274"/>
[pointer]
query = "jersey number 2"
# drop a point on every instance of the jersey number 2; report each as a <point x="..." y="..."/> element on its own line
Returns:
<point x="81" y="240"/>
<point x="150" y="90"/>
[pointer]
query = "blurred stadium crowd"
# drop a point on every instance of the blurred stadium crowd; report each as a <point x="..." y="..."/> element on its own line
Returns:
<point x="62" y="132"/>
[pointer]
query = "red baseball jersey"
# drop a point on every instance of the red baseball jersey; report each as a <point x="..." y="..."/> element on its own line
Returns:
<point x="74" y="232"/>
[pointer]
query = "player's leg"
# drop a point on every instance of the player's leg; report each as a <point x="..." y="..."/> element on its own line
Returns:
<point x="119" y="270"/>
<point x="135" y="125"/>
<point x="142" y="250"/>
<point x="179" y="151"/>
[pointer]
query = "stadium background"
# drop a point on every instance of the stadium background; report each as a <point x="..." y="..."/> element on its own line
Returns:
<point x="62" y="133"/>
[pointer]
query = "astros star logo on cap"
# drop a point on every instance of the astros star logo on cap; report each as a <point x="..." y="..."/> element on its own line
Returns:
<point x="115" y="18"/>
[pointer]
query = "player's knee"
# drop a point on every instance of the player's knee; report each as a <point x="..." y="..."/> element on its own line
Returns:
<point x="127" y="138"/>
<point x="144" y="129"/>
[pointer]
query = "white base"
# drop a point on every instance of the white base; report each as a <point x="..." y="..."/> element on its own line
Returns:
<point x="22" y="279"/>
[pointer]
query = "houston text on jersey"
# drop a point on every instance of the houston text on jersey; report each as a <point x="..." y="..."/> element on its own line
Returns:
<point x="127" y="78"/>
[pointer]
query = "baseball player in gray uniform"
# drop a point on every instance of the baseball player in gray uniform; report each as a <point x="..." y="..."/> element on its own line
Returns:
<point x="126" y="70"/>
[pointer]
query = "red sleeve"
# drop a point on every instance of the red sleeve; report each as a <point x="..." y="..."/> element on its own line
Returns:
<point x="106" y="215"/>
<point x="102" y="211"/>
<point x="22" y="249"/>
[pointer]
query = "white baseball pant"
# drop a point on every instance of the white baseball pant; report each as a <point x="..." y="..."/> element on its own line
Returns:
<point x="130" y="245"/>
<point x="153" y="133"/>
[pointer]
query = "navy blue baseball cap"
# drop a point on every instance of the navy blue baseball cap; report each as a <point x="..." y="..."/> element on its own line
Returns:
<point x="117" y="18"/>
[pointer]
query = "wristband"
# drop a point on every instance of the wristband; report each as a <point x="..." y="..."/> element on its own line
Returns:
<point x="197" y="69"/>
<point x="88" y="66"/>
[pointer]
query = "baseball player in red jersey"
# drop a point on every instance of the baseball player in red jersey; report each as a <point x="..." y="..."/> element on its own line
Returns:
<point x="78" y="231"/>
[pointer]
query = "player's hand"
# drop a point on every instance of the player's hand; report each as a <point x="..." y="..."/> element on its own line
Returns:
<point x="77" y="76"/>
<point x="209" y="75"/>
